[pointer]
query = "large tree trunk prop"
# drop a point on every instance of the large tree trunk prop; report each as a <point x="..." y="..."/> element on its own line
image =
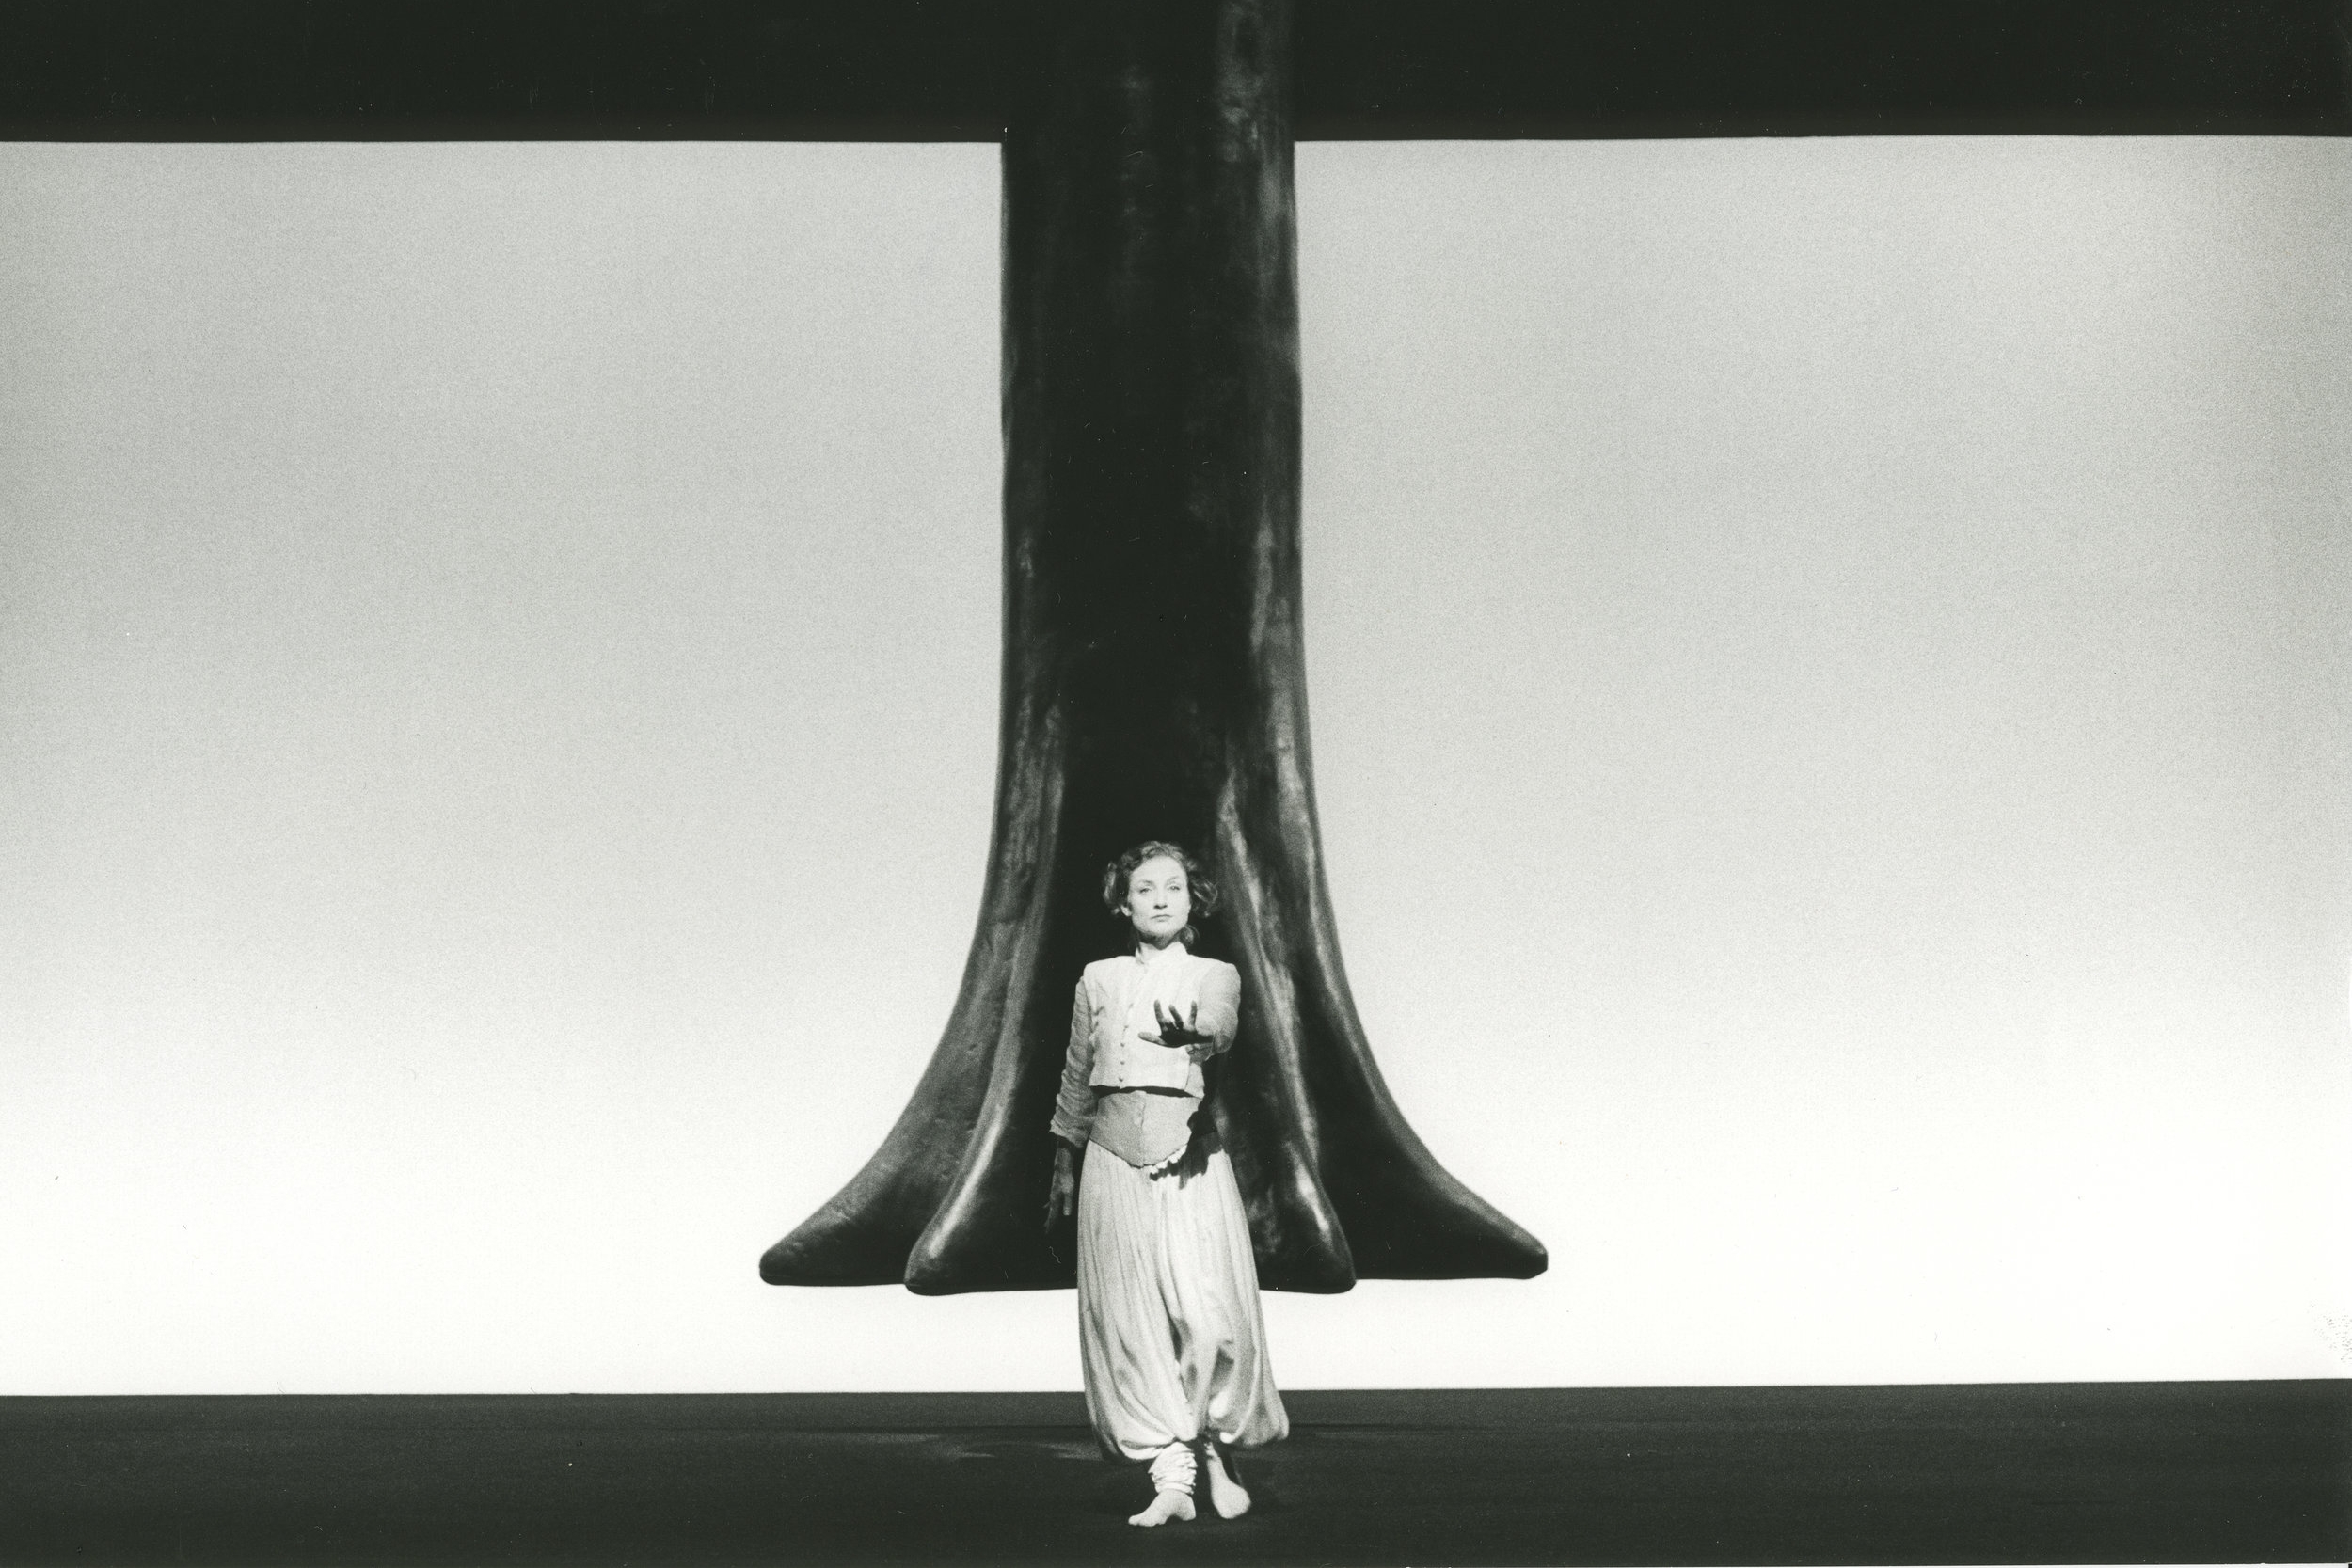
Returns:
<point x="1154" y="687"/>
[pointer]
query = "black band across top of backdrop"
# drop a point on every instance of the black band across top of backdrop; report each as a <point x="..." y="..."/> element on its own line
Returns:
<point x="944" y="70"/>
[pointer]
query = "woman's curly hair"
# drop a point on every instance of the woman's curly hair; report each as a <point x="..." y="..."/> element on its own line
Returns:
<point x="1203" y="890"/>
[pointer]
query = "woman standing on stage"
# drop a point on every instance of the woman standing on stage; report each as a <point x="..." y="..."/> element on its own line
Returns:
<point x="1168" y="1326"/>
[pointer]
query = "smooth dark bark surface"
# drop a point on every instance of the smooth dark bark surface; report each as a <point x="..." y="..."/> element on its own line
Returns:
<point x="944" y="70"/>
<point x="1154" y="687"/>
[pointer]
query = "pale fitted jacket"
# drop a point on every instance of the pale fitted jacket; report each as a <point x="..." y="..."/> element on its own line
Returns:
<point x="1107" y="1054"/>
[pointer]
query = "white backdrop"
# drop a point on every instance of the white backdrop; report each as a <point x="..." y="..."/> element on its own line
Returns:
<point x="1832" y="680"/>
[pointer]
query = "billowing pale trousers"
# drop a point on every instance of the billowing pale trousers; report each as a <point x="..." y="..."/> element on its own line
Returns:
<point x="1168" y="1326"/>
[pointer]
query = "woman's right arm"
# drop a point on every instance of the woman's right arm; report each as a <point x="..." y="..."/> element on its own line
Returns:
<point x="1074" y="1110"/>
<point x="1073" y="1107"/>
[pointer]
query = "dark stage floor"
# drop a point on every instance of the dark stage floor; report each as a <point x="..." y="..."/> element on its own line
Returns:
<point x="2194" y="1472"/>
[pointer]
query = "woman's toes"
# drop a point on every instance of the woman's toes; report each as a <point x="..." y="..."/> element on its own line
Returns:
<point x="1165" y="1506"/>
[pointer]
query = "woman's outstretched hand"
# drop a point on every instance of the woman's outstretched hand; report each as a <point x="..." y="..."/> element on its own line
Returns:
<point x="1062" y="1197"/>
<point x="1178" y="1031"/>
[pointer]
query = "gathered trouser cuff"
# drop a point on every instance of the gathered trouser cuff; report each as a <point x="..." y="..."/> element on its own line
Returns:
<point x="1173" y="1468"/>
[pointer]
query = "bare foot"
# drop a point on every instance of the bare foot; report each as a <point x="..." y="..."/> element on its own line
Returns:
<point x="1225" y="1494"/>
<point x="1165" y="1506"/>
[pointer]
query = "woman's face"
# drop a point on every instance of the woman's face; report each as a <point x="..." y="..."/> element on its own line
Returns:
<point x="1159" y="901"/>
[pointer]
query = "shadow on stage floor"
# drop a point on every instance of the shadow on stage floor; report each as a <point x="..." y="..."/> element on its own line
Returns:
<point x="2181" y="1472"/>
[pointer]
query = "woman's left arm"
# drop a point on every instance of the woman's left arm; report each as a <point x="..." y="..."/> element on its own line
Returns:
<point x="1219" y="1012"/>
